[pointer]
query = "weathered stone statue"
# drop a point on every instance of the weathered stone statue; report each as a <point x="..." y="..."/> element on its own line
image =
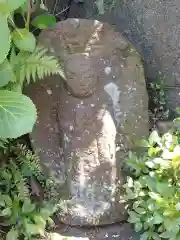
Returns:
<point x="87" y="124"/>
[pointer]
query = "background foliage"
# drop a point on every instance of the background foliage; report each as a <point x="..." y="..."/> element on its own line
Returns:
<point x="153" y="189"/>
<point x="20" y="61"/>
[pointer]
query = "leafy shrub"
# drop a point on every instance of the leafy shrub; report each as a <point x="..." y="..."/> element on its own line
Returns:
<point x="21" y="60"/>
<point x="153" y="189"/>
<point x="20" y="213"/>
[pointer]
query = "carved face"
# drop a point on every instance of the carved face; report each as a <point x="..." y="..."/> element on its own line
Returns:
<point x="82" y="75"/>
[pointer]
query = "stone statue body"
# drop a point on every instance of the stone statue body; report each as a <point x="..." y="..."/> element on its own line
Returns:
<point x="101" y="109"/>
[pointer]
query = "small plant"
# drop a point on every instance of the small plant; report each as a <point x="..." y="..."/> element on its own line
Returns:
<point x="153" y="189"/>
<point x="158" y="107"/>
<point x="21" y="60"/>
<point x="25" y="218"/>
<point x="22" y="210"/>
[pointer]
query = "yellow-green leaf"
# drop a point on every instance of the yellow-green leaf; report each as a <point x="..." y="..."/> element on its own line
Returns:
<point x="43" y="21"/>
<point x="17" y="114"/>
<point x="24" y="40"/>
<point x="5" y="39"/>
<point x="6" y="73"/>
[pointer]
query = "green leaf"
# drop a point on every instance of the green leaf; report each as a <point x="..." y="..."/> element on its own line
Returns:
<point x="5" y="212"/>
<point x="12" y="235"/>
<point x="155" y="236"/>
<point x="155" y="196"/>
<point x="33" y="229"/>
<point x="166" y="234"/>
<point x="6" y="73"/>
<point x="153" y="151"/>
<point x="140" y="210"/>
<point x="45" y="213"/>
<point x="17" y="114"/>
<point x="178" y="206"/>
<point x="175" y="228"/>
<point x="164" y="189"/>
<point x="144" y="236"/>
<point x="37" y="65"/>
<point x="178" y="110"/>
<point x="7" y="200"/>
<point x="157" y="219"/>
<point x="24" y="40"/>
<point x="44" y="21"/>
<point x="40" y="221"/>
<point x="5" y="10"/>
<point x="142" y="143"/>
<point x="138" y="227"/>
<point x="28" y="206"/>
<point x="14" y="4"/>
<point x="154" y="138"/>
<point x="133" y="217"/>
<point x="162" y="162"/>
<point x="5" y="39"/>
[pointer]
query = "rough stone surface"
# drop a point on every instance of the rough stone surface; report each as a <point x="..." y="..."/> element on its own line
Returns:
<point x="86" y="125"/>
<point x="113" y="232"/>
<point x="153" y="26"/>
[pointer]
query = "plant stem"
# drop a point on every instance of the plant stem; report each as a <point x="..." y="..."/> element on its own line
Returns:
<point x="28" y="15"/>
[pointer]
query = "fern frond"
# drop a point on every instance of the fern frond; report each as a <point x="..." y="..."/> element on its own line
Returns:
<point x="29" y="163"/>
<point x="20" y="183"/>
<point x="36" y="65"/>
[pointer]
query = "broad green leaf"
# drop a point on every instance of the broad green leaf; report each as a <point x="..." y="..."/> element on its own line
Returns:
<point x="12" y="235"/>
<point x="152" y="151"/>
<point x="6" y="73"/>
<point x="155" y="236"/>
<point x="144" y="236"/>
<point x="154" y="138"/>
<point x="162" y="162"/>
<point x="133" y="217"/>
<point x="27" y="206"/>
<point x="140" y="210"/>
<point x="5" y="39"/>
<point x="138" y="227"/>
<point x="164" y="189"/>
<point x="130" y="182"/>
<point x="44" y="21"/>
<point x="14" y="4"/>
<point x="17" y="114"/>
<point x="45" y="213"/>
<point x="157" y="219"/>
<point x="5" y="212"/>
<point x="169" y="212"/>
<point x="50" y="222"/>
<point x="175" y="228"/>
<point x="166" y="235"/>
<point x="7" y="200"/>
<point x="24" y="40"/>
<point x="40" y="221"/>
<point x="155" y="196"/>
<point x="142" y="143"/>
<point x="33" y="229"/>
<point x="150" y="164"/>
<point x="178" y="206"/>
<point x="178" y="110"/>
<point x="5" y="10"/>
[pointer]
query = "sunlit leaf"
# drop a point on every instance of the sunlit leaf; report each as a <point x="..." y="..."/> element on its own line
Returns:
<point x="17" y="114"/>
<point x="44" y="21"/>
<point x="24" y="40"/>
<point x="5" y="39"/>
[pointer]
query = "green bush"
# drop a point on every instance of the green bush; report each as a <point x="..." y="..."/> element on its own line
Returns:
<point x="21" y="60"/>
<point x="22" y="185"/>
<point x="153" y="189"/>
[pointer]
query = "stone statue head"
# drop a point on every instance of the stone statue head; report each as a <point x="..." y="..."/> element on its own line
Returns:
<point x="81" y="74"/>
